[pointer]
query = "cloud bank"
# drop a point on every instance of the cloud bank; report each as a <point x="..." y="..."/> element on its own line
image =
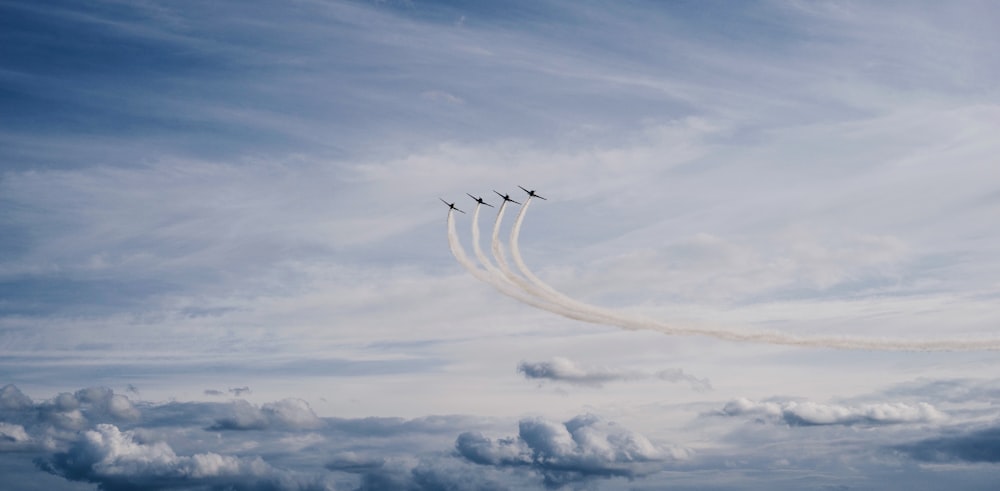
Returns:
<point x="580" y="448"/>
<point x="114" y="460"/>
<point x="283" y="445"/>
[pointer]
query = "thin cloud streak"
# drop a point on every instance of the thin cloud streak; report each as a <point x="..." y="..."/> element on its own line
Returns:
<point x="561" y="369"/>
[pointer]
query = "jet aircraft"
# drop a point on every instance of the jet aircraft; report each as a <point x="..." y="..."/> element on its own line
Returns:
<point x="480" y="200"/>
<point x="506" y="197"/>
<point x="451" y="205"/>
<point x="531" y="194"/>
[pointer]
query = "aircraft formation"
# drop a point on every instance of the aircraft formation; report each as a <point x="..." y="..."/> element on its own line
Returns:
<point x="506" y="197"/>
<point x="524" y="286"/>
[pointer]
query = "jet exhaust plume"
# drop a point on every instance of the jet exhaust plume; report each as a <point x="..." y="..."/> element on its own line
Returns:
<point x="526" y="287"/>
<point x="495" y="280"/>
<point x="480" y="255"/>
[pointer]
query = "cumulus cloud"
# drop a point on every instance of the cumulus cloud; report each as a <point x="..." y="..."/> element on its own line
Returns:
<point x="561" y="369"/>
<point x="11" y="398"/>
<point x="583" y="447"/>
<point x="242" y="416"/>
<point x="13" y="437"/>
<point x="796" y="413"/>
<point x="115" y="460"/>
<point x="66" y="411"/>
<point x="75" y="411"/>
<point x="12" y="433"/>
<point x="292" y="414"/>
<point x="94" y="435"/>
<point x="104" y="401"/>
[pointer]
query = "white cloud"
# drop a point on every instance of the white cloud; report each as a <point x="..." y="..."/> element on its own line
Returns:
<point x="561" y="369"/>
<point x="113" y="458"/>
<point x="581" y="448"/>
<point x="13" y="433"/>
<point x="294" y="414"/>
<point x="796" y="413"/>
<point x="291" y="413"/>
<point x="11" y="398"/>
<point x="14" y="437"/>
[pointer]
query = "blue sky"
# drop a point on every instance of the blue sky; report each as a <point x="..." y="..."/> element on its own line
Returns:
<point x="223" y="261"/>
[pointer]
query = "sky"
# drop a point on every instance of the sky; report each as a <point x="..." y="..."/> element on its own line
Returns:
<point x="224" y="263"/>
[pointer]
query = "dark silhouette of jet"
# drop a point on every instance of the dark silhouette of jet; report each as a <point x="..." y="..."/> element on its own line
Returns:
<point x="531" y="194"/>
<point x="506" y="197"/>
<point x="480" y="200"/>
<point x="451" y="205"/>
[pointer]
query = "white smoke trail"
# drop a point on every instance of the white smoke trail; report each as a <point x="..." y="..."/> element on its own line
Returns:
<point x="552" y="298"/>
<point x="501" y="258"/>
<point x="595" y="314"/>
<point x="538" y="287"/>
<point x="497" y="247"/>
<point x="499" y="282"/>
<point x="459" y="252"/>
<point x="515" y="252"/>
<point x="480" y="255"/>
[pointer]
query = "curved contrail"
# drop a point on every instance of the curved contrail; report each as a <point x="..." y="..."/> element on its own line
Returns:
<point x="480" y="255"/>
<point x="505" y="270"/>
<point x="499" y="282"/>
<point x="515" y="252"/>
<point x="596" y="314"/>
<point x="556" y="302"/>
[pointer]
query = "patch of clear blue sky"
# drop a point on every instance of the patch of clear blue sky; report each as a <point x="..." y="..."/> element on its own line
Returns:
<point x="73" y="70"/>
<point x="44" y="295"/>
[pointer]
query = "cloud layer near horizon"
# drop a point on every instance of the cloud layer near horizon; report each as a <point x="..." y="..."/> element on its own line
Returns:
<point x="282" y="445"/>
